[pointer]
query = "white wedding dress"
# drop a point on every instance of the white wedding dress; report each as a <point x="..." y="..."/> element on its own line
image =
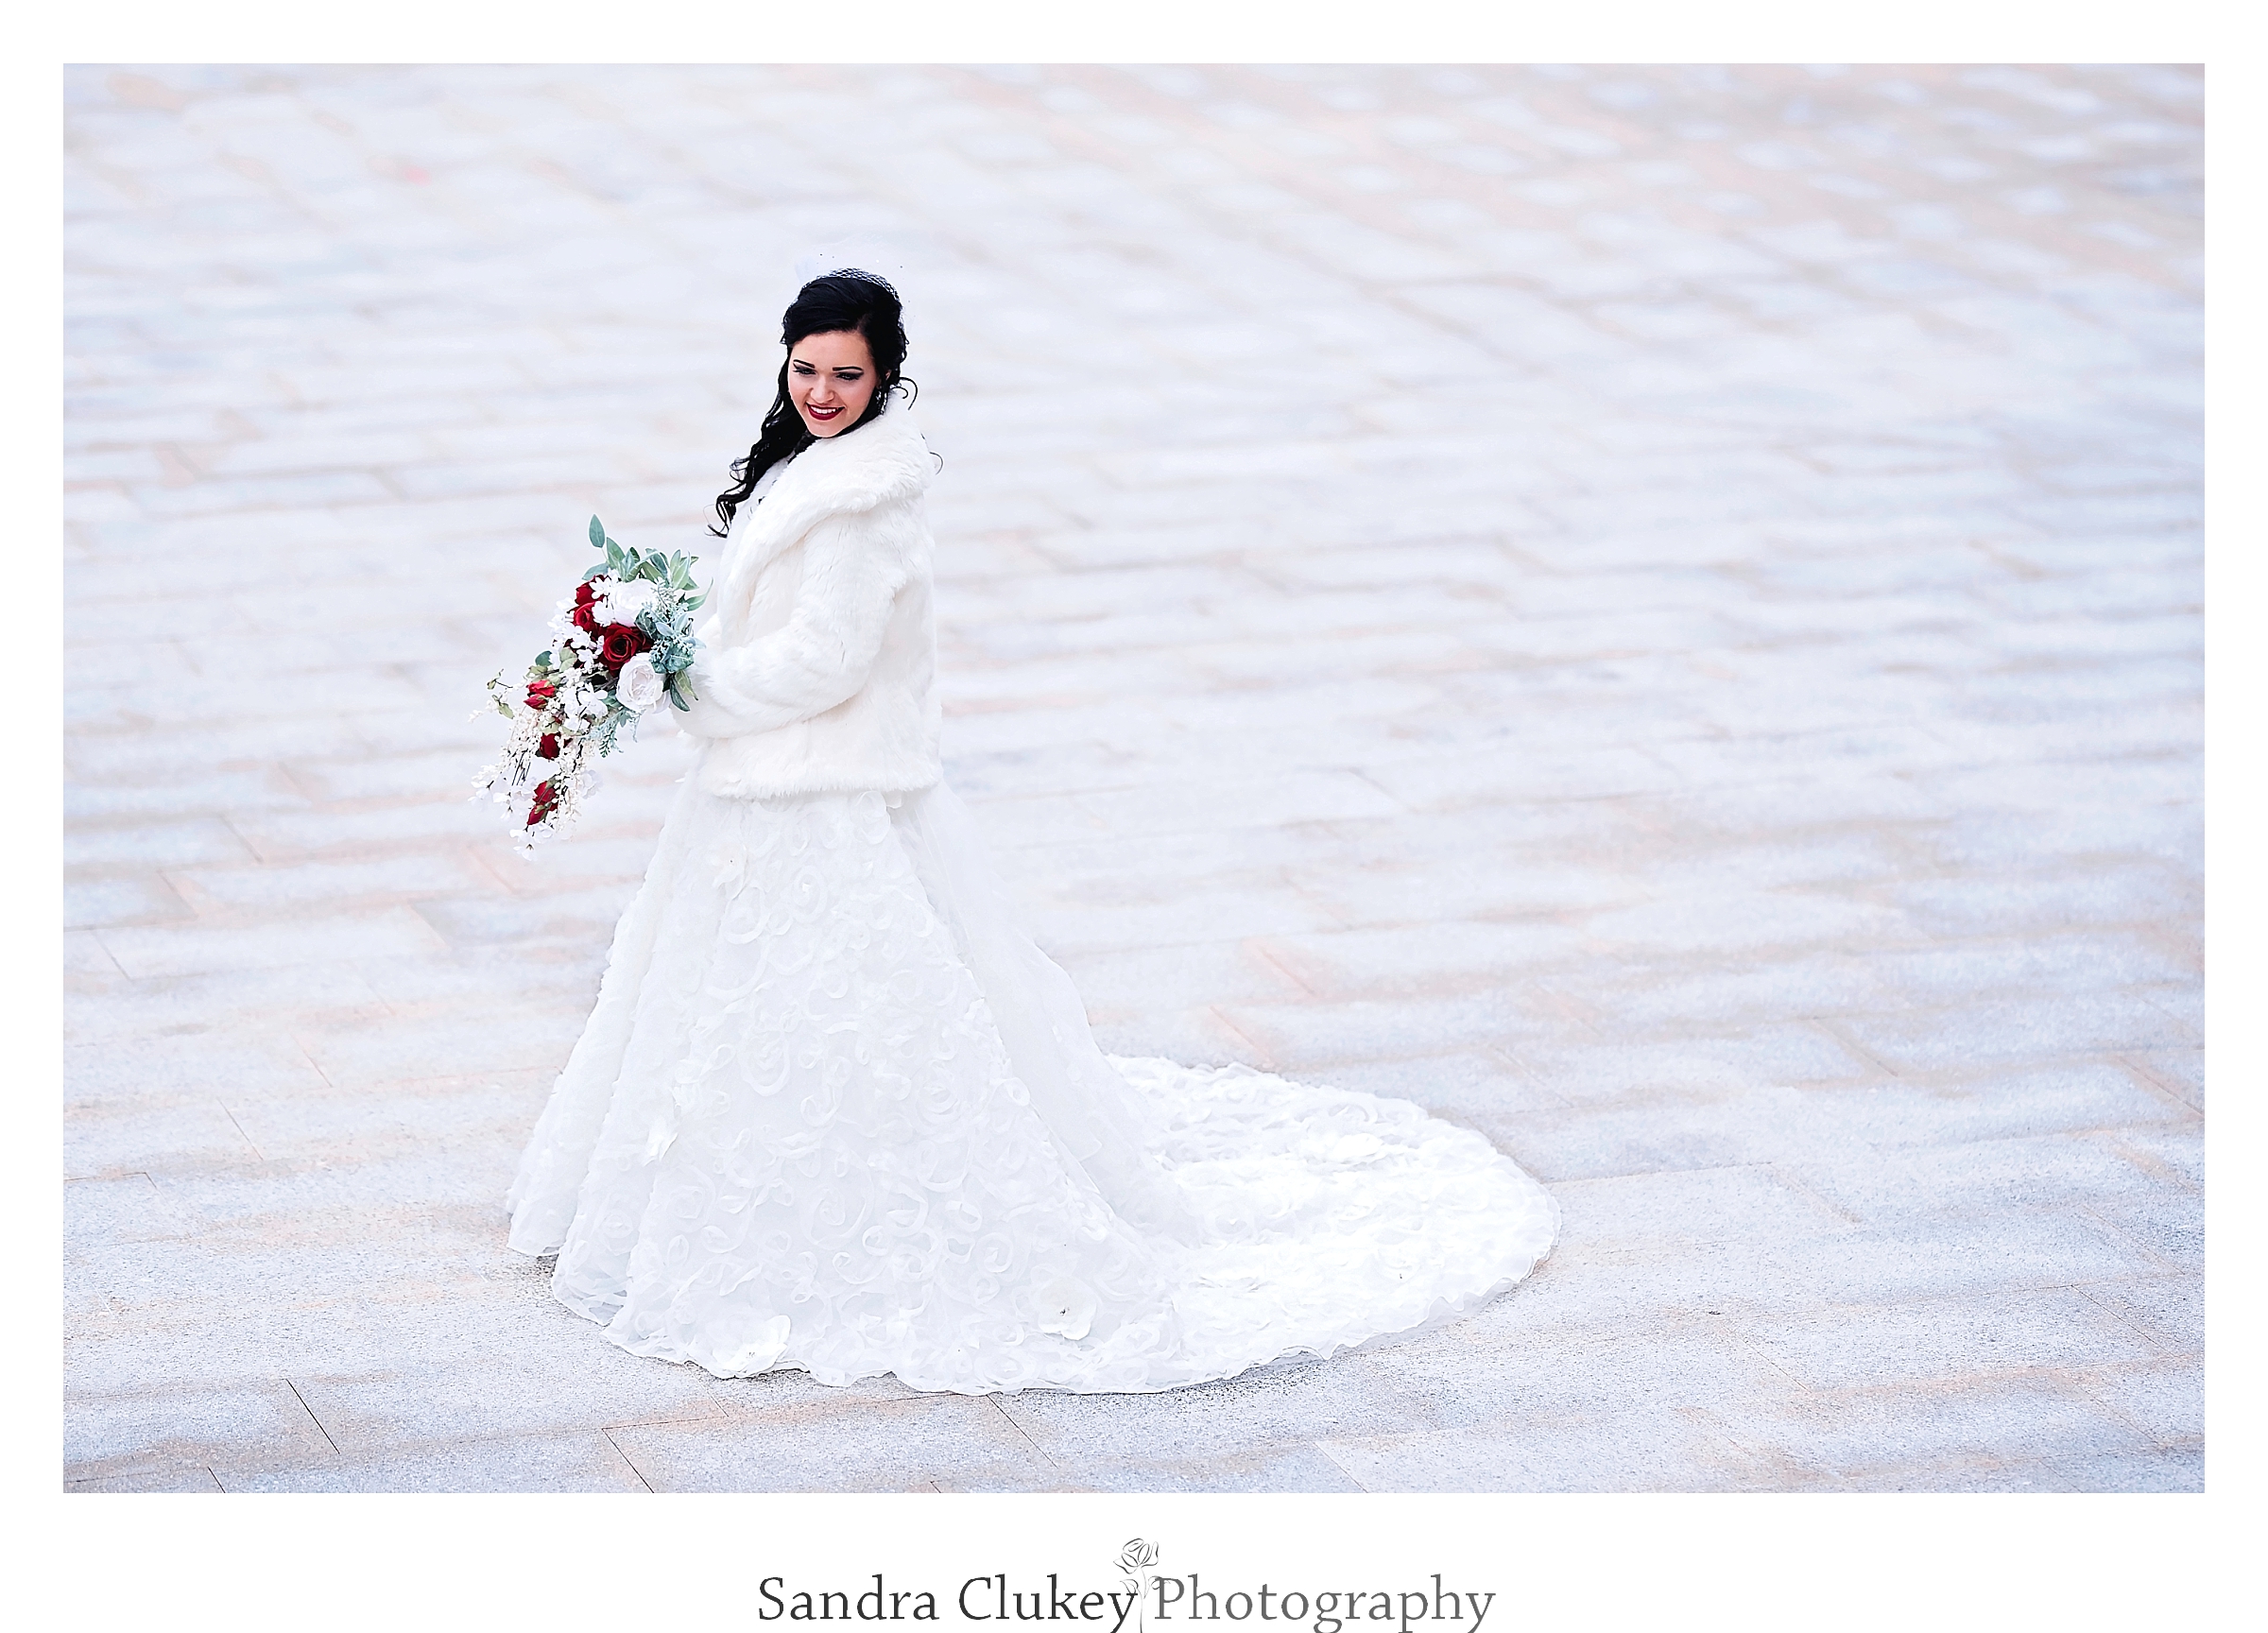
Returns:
<point x="834" y="1111"/>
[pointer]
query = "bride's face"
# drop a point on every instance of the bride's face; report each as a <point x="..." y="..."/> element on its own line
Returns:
<point x="831" y="380"/>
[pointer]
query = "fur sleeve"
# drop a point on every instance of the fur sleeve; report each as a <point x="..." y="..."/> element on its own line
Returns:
<point x="854" y="567"/>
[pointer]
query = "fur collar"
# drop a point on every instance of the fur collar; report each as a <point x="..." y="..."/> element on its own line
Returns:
<point x="881" y="462"/>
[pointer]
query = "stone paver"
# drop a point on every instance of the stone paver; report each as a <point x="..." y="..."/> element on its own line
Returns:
<point x="1654" y="613"/>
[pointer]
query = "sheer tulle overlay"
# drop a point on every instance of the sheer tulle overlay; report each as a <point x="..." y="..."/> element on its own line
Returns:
<point x="834" y="1111"/>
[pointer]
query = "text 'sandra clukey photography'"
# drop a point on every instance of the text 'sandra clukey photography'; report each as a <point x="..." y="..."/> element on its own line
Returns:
<point x="1152" y="1600"/>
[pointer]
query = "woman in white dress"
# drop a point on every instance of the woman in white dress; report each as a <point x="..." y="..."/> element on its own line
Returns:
<point x="834" y="1111"/>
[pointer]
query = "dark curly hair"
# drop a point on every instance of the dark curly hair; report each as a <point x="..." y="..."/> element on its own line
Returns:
<point x="840" y="302"/>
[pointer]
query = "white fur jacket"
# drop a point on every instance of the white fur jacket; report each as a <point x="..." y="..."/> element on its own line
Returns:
<point x="818" y="650"/>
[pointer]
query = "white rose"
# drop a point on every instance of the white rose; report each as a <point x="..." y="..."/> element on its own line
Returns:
<point x="622" y="603"/>
<point x="1065" y="1306"/>
<point x="639" y="685"/>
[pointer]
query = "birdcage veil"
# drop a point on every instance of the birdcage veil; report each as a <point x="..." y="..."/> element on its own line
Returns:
<point x="866" y="254"/>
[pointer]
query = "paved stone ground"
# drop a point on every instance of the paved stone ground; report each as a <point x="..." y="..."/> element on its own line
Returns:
<point x="1656" y="613"/>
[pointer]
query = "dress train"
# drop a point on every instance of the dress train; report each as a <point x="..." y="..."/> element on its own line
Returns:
<point x="834" y="1111"/>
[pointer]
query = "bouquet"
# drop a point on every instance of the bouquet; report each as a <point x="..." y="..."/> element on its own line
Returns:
<point x="621" y="646"/>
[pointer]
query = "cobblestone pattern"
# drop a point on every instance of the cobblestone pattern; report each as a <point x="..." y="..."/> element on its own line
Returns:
<point x="1656" y="613"/>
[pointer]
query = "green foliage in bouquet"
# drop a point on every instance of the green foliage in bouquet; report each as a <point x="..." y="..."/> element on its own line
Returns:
<point x="669" y="621"/>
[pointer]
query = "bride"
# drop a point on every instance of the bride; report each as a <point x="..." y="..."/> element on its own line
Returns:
<point x="834" y="1111"/>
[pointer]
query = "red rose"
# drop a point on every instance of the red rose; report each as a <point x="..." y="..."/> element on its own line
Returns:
<point x="545" y="799"/>
<point x="582" y="615"/>
<point x="540" y="694"/>
<point x="549" y="748"/>
<point x="620" y="643"/>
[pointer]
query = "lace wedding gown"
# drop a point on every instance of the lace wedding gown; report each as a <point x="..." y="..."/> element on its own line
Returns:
<point x="834" y="1111"/>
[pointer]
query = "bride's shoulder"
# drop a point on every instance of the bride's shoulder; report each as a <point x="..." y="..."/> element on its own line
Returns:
<point x="892" y="435"/>
<point x="885" y="459"/>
